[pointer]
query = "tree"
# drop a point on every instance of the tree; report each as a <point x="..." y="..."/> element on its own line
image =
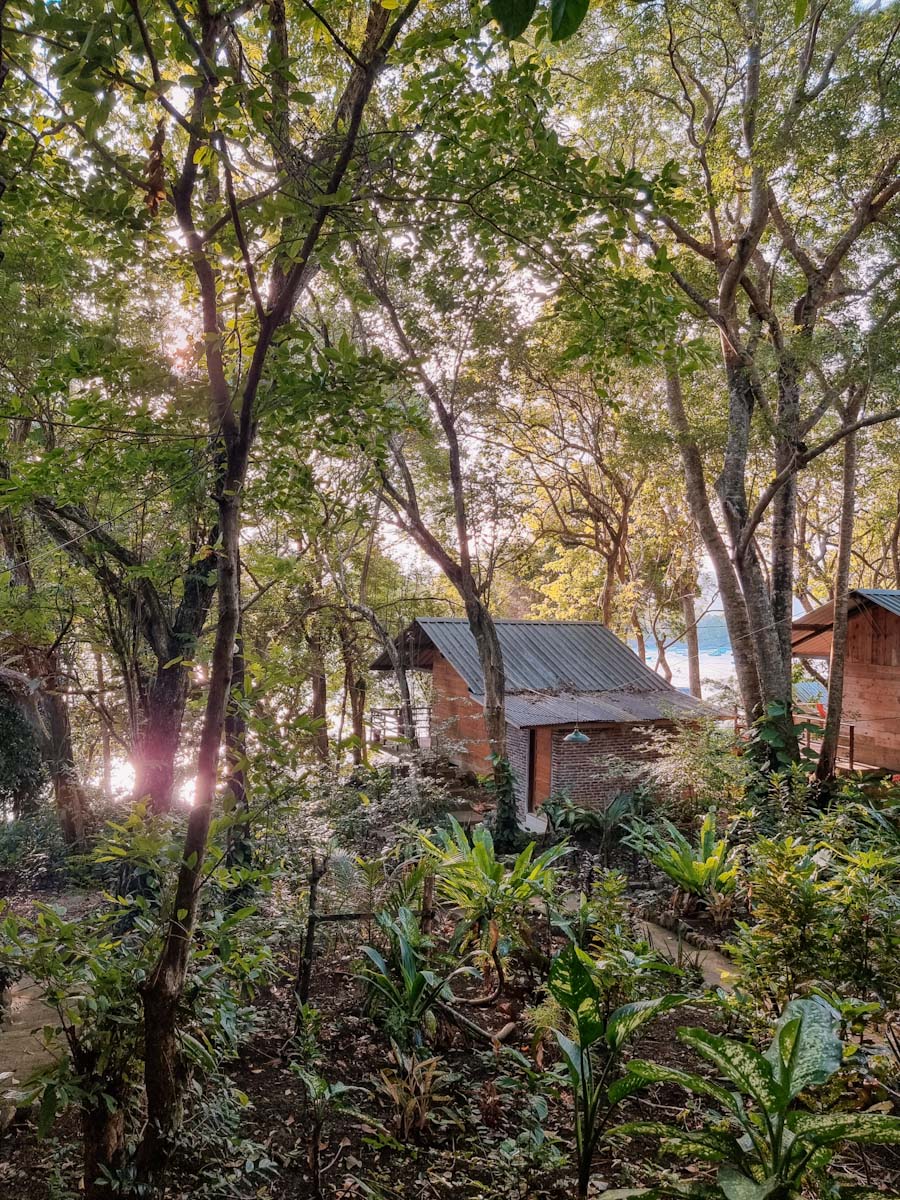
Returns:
<point x="447" y="390"/>
<point x="776" y="266"/>
<point x="201" y="154"/>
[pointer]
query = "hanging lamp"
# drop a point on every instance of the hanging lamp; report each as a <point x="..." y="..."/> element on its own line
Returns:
<point x="576" y="737"/>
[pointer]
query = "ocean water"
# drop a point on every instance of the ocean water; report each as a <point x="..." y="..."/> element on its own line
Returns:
<point x="716" y="661"/>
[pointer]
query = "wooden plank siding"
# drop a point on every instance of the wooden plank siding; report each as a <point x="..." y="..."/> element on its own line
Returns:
<point x="872" y="686"/>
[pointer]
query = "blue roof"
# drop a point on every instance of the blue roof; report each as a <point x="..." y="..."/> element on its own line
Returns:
<point x="888" y="598"/>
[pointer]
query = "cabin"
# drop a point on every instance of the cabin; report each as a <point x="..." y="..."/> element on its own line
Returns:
<point x="870" y="725"/>
<point x="561" y="677"/>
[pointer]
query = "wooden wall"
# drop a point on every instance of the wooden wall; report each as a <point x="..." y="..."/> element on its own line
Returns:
<point x="872" y="686"/>
<point x="542" y="784"/>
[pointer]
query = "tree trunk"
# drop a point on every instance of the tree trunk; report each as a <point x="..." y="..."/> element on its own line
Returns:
<point x="639" y="636"/>
<point x="609" y="587"/>
<point x="240" y="841"/>
<point x="105" y="746"/>
<point x="318" y="708"/>
<point x="662" y="663"/>
<point x="71" y="802"/>
<point x="356" y="686"/>
<point x="828" y="753"/>
<point x="164" y="1074"/>
<point x="52" y="725"/>
<point x="156" y="746"/>
<point x="733" y="605"/>
<point x="692" y="641"/>
<point x="484" y="631"/>
<point x="103" y="1142"/>
<point x="773" y="666"/>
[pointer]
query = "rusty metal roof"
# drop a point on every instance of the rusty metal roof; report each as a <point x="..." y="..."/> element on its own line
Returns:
<point x="550" y="666"/>
<point x="525" y="710"/>
<point x="807" y="625"/>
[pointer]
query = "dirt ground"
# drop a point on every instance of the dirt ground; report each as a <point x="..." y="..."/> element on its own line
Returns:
<point x="473" y="1147"/>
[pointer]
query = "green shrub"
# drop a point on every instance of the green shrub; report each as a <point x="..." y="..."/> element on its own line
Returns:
<point x="705" y="872"/>
<point x="766" y="1142"/>
<point x="494" y="898"/>
<point x="593" y="1053"/>
<point x="788" y="940"/>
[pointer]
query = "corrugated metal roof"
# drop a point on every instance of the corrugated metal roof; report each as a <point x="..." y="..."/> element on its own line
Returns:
<point x="526" y="710"/>
<point x="821" y="618"/>
<point x="557" y="672"/>
<point x="888" y="598"/>
<point x="540" y="656"/>
<point x="810" y="691"/>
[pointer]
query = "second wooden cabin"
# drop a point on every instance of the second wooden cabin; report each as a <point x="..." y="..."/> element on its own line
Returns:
<point x="871" y="703"/>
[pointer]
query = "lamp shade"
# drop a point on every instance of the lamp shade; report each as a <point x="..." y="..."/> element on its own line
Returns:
<point x="576" y="738"/>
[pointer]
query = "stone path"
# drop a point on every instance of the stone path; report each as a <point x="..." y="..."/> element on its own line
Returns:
<point x="717" y="970"/>
<point x="22" y="1048"/>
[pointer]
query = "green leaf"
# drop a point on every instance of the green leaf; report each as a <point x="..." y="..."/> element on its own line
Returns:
<point x="800" y="10"/>
<point x="741" y="1064"/>
<point x="572" y="1053"/>
<point x="513" y="16"/>
<point x="630" y="1017"/>
<point x="825" y="1128"/>
<point x="806" y="1049"/>
<point x="738" y="1186"/>
<point x="566" y="17"/>
<point x="650" y="1072"/>
<point x="572" y="984"/>
<point x="48" y="1110"/>
<point x="626" y="1086"/>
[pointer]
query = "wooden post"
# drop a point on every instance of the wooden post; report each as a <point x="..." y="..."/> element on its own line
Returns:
<point x="304" y="969"/>
<point x="852" y="748"/>
<point x="427" y="903"/>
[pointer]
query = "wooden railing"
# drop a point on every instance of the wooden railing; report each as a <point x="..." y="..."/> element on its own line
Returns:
<point x="386" y="725"/>
<point x="846" y="747"/>
<point x="846" y="735"/>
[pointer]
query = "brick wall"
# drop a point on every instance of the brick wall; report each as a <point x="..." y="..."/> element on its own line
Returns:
<point x="588" y="774"/>
<point x="457" y="721"/>
<point x="517" y="741"/>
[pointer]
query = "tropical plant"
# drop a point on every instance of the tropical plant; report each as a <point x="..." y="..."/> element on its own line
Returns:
<point x="323" y="1101"/>
<point x="593" y="1055"/>
<point x="766" y="1144"/>
<point x="704" y="872"/>
<point x="401" y="988"/>
<point x="413" y="1086"/>
<point x="603" y="826"/>
<point x="863" y="890"/>
<point x="492" y="898"/>
<point x="789" y="939"/>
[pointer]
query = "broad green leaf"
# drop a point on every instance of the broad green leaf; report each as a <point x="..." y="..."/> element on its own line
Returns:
<point x="650" y="1072"/>
<point x="48" y="1110"/>
<point x="703" y="1145"/>
<point x="513" y="16"/>
<point x="572" y="984"/>
<point x="630" y="1017"/>
<point x="566" y="17"/>
<point x="741" y="1064"/>
<point x="806" y="1049"/>
<point x="626" y="1086"/>
<point x="572" y="1053"/>
<point x="825" y="1128"/>
<point x="738" y="1186"/>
